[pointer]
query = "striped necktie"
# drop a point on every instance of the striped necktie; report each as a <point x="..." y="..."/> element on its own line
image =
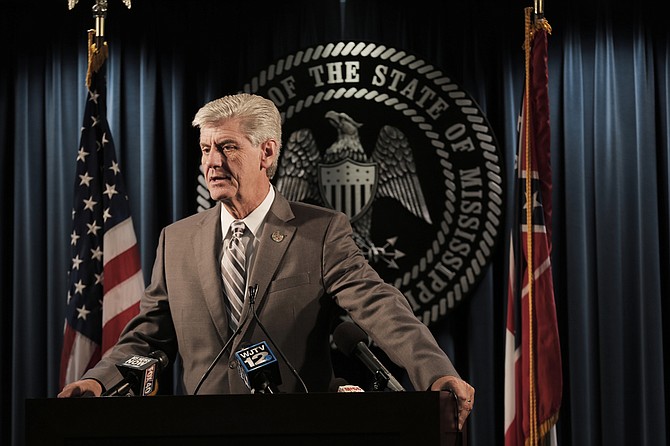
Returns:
<point x="233" y="270"/>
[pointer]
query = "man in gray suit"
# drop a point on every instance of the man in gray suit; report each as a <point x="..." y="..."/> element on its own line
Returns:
<point x="303" y="265"/>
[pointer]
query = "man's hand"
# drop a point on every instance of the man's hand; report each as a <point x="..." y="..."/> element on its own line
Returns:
<point x="465" y="395"/>
<point x="84" y="387"/>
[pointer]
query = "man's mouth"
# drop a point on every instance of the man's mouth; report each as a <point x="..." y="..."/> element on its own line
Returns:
<point x="218" y="178"/>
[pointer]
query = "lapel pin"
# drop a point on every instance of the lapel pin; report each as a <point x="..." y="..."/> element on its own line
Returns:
<point x="277" y="236"/>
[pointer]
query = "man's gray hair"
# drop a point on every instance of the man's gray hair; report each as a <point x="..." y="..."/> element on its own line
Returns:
<point x="259" y="118"/>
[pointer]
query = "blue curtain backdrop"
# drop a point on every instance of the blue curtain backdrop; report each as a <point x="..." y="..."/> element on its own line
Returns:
<point x="609" y="69"/>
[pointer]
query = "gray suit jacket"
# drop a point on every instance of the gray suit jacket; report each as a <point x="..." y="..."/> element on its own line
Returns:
<point x="309" y="267"/>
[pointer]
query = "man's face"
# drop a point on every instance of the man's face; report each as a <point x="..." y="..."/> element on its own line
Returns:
<point x="233" y="167"/>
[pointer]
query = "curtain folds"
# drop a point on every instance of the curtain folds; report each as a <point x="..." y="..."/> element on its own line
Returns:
<point x="609" y="75"/>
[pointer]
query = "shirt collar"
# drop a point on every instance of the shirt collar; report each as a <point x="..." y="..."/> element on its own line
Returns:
<point x="253" y="220"/>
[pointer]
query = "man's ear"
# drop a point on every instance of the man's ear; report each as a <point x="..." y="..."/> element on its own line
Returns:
<point x="269" y="152"/>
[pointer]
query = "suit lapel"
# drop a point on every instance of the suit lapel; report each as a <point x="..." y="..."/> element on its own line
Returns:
<point x="274" y="241"/>
<point x="208" y="243"/>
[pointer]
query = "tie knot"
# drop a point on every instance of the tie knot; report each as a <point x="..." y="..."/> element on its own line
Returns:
<point x="237" y="228"/>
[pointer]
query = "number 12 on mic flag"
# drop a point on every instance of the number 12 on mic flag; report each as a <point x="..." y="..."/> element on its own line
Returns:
<point x="256" y="359"/>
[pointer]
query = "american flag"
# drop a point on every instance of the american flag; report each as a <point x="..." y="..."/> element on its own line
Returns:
<point x="533" y="379"/>
<point x="105" y="277"/>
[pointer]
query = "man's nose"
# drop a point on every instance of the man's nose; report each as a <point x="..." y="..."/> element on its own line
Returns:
<point x="214" y="158"/>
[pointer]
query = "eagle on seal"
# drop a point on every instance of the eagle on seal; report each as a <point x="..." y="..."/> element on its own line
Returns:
<point x="346" y="179"/>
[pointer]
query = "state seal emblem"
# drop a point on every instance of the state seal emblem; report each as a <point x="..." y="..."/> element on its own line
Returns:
<point x="391" y="141"/>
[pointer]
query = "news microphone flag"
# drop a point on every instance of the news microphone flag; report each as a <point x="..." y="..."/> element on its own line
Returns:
<point x="258" y="367"/>
<point x="533" y="379"/>
<point x="140" y="375"/>
<point x="105" y="277"/>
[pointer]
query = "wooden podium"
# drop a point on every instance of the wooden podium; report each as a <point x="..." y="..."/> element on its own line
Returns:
<point x="320" y="419"/>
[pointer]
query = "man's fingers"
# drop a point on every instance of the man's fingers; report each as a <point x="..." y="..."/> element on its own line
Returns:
<point x="466" y="404"/>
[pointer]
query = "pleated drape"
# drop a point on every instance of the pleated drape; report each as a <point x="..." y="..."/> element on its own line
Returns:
<point x="609" y="70"/>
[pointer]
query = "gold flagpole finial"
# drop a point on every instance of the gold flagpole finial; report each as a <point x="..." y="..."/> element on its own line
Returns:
<point x="99" y="14"/>
<point x="97" y="47"/>
<point x="72" y="3"/>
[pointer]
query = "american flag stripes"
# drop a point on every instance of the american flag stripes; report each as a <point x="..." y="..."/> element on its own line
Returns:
<point x="105" y="277"/>
<point x="533" y="379"/>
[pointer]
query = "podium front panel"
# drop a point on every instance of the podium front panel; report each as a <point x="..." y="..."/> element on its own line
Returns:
<point x="351" y="419"/>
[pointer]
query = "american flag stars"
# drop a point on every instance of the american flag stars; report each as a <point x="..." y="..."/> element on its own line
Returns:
<point x="102" y="238"/>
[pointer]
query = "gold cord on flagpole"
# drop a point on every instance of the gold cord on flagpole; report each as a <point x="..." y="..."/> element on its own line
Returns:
<point x="538" y="17"/>
<point x="97" y="46"/>
<point x="96" y="56"/>
<point x="533" y="439"/>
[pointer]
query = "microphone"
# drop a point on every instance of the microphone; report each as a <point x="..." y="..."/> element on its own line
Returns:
<point x="259" y="368"/>
<point x="140" y="374"/>
<point x="252" y="290"/>
<point x="350" y="338"/>
<point x="340" y="385"/>
<point x="252" y="300"/>
<point x="222" y="351"/>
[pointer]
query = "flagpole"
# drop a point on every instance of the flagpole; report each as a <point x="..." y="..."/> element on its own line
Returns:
<point x="529" y="236"/>
<point x="106" y="279"/>
<point x="99" y="14"/>
<point x="533" y="380"/>
<point x="534" y="20"/>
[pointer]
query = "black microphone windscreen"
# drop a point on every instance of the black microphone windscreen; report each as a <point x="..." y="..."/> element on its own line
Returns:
<point x="163" y="360"/>
<point x="347" y="335"/>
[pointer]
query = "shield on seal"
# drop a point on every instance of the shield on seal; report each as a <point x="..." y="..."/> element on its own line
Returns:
<point x="348" y="186"/>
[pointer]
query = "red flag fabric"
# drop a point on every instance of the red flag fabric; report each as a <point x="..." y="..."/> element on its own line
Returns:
<point x="533" y="378"/>
<point x="105" y="277"/>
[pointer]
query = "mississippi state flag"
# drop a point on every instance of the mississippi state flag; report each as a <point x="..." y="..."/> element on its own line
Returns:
<point x="533" y="380"/>
<point x="105" y="277"/>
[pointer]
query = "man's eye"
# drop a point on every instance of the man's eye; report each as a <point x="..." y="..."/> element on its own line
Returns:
<point x="205" y="150"/>
<point x="228" y="147"/>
